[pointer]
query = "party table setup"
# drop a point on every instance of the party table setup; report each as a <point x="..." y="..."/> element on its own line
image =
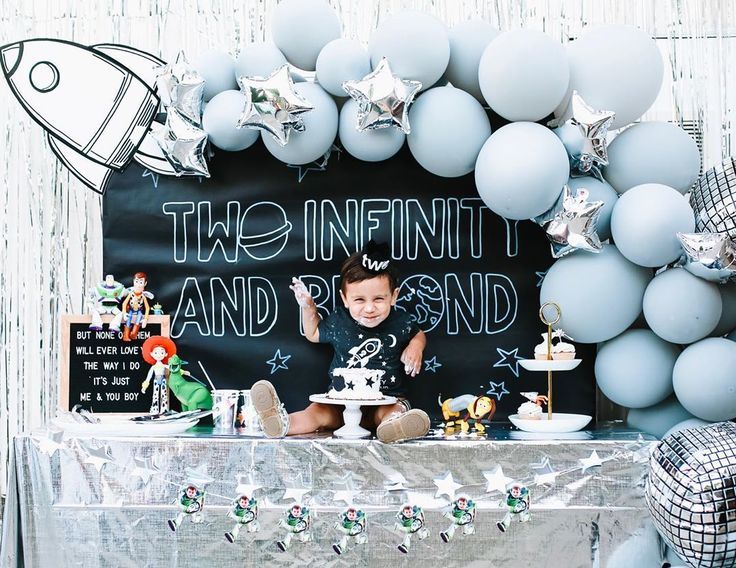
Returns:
<point x="277" y="272"/>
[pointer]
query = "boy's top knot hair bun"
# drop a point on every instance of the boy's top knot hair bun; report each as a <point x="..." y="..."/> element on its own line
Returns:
<point x="375" y="257"/>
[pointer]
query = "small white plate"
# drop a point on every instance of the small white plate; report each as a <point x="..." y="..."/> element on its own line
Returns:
<point x="124" y="427"/>
<point x="549" y="365"/>
<point x="559" y="424"/>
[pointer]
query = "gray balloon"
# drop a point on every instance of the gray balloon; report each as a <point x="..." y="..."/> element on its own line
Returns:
<point x="703" y="379"/>
<point x="599" y="191"/>
<point x="600" y="295"/>
<point x="521" y="170"/>
<point x="217" y="69"/>
<point x="468" y="40"/>
<point x="635" y="368"/>
<point x="219" y="119"/>
<point x="301" y="28"/>
<point x="682" y="308"/>
<point x="645" y="223"/>
<point x="727" y="323"/>
<point x="448" y="129"/>
<point x="368" y="145"/>
<point x="259" y="60"/>
<point x="339" y="61"/>
<point x="685" y="424"/>
<point x="320" y="129"/>
<point x="657" y="419"/>
<point x="653" y="152"/>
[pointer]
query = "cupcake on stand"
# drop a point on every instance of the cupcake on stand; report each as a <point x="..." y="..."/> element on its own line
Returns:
<point x="532" y="408"/>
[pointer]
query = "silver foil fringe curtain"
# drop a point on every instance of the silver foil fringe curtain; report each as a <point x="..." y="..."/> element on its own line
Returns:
<point x="51" y="226"/>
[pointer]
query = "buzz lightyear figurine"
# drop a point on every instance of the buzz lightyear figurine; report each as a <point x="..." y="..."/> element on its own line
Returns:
<point x="191" y="503"/>
<point x="517" y="501"/>
<point x="296" y="522"/>
<point x="410" y="520"/>
<point x="462" y="514"/>
<point x="244" y="511"/>
<point x="105" y="298"/>
<point x="352" y="525"/>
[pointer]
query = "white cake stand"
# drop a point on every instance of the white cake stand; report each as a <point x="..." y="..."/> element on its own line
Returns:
<point x="352" y="413"/>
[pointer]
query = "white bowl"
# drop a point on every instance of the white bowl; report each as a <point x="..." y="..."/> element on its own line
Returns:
<point x="559" y="424"/>
<point x="124" y="427"/>
<point x="549" y="365"/>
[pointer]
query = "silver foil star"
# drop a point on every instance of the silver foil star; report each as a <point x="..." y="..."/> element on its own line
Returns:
<point x="181" y="87"/>
<point x="383" y="99"/>
<point x="98" y="457"/>
<point x="273" y="105"/>
<point x="571" y="223"/>
<point x="183" y="144"/>
<point x="711" y="256"/>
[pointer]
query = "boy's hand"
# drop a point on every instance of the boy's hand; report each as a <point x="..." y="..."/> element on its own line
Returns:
<point x="412" y="359"/>
<point x="302" y="295"/>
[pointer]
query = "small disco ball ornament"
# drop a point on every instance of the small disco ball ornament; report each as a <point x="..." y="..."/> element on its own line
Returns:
<point x="691" y="494"/>
<point x="713" y="199"/>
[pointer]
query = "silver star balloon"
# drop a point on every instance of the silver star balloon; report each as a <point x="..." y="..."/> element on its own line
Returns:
<point x="181" y="87"/>
<point x="273" y="105"/>
<point x="383" y="99"/>
<point x="571" y="223"/>
<point x="711" y="256"/>
<point x="183" y="144"/>
<point x="584" y="137"/>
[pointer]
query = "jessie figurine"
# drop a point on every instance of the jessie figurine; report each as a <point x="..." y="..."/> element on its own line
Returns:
<point x="135" y="307"/>
<point x="156" y="351"/>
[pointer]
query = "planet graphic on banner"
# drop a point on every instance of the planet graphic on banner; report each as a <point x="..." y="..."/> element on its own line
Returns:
<point x="264" y="230"/>
<point x="422" y="298"/>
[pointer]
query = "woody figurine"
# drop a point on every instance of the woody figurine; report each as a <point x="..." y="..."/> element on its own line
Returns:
<point x="135" y="308"/>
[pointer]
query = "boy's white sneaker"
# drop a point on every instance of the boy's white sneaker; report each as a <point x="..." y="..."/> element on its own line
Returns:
<point x="271" y="412"/>
<point x="404" y="426"/>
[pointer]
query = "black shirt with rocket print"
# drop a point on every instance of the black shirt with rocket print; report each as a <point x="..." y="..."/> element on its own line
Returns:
<point x="377" y="347"/>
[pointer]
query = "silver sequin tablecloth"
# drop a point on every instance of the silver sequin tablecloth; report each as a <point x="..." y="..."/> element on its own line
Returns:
<point x="83" y="501"/>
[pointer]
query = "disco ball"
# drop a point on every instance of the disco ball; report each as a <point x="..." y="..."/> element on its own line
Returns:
<point x="713" y="198"/>
<point x="691" y="494"/>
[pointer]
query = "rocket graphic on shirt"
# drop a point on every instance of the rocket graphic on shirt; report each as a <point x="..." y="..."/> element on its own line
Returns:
<point x="361" y="354"/>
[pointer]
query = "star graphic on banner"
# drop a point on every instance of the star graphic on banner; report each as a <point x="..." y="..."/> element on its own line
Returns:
<point x="496" y="480"/>
<point x="432" y="364"/>
<point x="153" y="176"/>
<point x="509" y="359"/>
<point x="294" y="493"/>
<point x="497" y="389"/>
<point x="544" y="475"/>
<point x="316" y="166"/>
<point x="446" y="485"/>
<point x="51" y="442"/>
<point x="98" y="457"/>
<point x="145" y="469"/>
<point x="278" y="361"/>
<point x="246" y="486"/>
<point x="198" y="475"/>
<point x="540" y="274"/>
<point x="590" y="462"/>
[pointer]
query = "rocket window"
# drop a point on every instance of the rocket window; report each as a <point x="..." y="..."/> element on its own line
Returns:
<point x="44" y="76"/>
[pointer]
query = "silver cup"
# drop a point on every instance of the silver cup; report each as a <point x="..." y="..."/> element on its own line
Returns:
<point x="246" y="418"/>
<point x="224" y="402"/>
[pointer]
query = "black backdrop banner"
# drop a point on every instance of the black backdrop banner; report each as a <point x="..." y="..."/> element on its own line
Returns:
<point x="220" y="254"/>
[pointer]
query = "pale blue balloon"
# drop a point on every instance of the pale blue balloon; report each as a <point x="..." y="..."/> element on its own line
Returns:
<point x="635" y="368"/>
<point x="448" y="129"/>
<point x="599" y="191"/>
<point x="682" y="308"/>
<point x="727" y="323"/>
<point x="219" y="120"/>
<point x="521" y="170"/>
<point x="339" y="61"/>
<point x="468" y="41"/>
<point x="685" y="425"/>
<point x="259" y="60"/>
<point x="416" y="45"/>
<point x="320" y="129"/>
<point x="368" y="145"/>
<point x="657" y="419"/>
<point x="600" y="295"/>
<point x="653" y="152"/>
<point x="524" y="75"/>
<point x="645" y="223"/>
<point x="217" y="69"/>
<point x="704" y="379"/>
<point x="301" y="28"/>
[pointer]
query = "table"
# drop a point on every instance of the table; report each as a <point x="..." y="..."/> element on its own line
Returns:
<point x="352" y="414"/>
<point x="79" y="501"/>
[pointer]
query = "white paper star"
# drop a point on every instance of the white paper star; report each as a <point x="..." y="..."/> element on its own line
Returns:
<point x="295" y="493"/>
<point x="198" y="476"/>
<point x="98" y="457"/>
<point x="544" y="474"/>
<point x="145" y="469"/>
<point x="592" y="461"/>
<point x="51" y="442"/>
<point x="246" y="486"/>
<point x="346" y="495"/>
<point x="446" y="485"/>
<point x="496" y="480"/>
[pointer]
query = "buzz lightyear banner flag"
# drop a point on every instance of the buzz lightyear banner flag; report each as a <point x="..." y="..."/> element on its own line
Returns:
<point x="220" y="253"/>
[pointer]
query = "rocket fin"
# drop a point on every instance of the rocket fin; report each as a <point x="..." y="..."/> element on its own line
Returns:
<point x="139" y="62"/>
<point x="149" y="155"/>
<point x="90" y="173"/>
